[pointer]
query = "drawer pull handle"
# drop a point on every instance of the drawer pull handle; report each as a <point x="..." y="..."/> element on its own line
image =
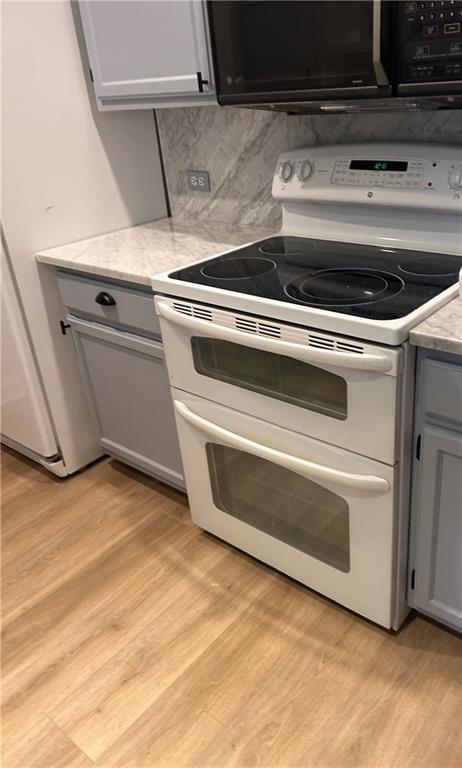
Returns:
<point x="105" y="299"/>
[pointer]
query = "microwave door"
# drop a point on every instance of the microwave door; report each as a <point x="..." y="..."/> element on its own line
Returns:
<point x="269" y="52"/>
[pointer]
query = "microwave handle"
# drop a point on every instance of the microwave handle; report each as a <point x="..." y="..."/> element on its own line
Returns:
<point x="380" y="74"/>
<point x="303" y="467"/>
<point x="352" y="360"/>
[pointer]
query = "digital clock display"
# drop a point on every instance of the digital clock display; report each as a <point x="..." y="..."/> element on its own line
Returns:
<point x="378" y="165"/>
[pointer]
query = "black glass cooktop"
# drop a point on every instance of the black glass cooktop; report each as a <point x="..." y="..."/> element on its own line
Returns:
<point x="362" y="280"/>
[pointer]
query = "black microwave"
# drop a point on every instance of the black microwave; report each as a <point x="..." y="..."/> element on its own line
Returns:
<point x="294" y="53"/>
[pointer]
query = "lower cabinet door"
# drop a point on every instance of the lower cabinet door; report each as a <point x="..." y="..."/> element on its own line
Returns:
<point x="438" y="527"/>
<point x="127" y="380"/>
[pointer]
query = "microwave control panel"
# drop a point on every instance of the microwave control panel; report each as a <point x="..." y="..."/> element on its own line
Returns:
<point x="404" y="175"/>
<point x="430" y="47"/>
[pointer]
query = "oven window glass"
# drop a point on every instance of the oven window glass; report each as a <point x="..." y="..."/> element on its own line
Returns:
<point x="281" y="503"/>
<point x="273" y="375"/>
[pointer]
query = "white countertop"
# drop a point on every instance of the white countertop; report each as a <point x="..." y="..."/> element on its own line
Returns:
<point x="138" y="253"/>
<point x="442" y="330"/>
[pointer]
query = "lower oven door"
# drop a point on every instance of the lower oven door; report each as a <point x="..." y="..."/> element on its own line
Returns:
<point x="339" y="390"/>
<point x="321" y="515"/>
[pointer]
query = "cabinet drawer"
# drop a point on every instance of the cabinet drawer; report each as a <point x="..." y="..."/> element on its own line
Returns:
<point x="133" y="308"/>
<point x="443" y="390"/>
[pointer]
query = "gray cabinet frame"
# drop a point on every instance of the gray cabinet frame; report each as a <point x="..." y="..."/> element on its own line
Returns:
<point x="435" y="572"/>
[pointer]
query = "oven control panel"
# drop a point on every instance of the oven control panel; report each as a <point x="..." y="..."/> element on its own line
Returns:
<point x="379" y="173"/>
<point x="425" y="176"/>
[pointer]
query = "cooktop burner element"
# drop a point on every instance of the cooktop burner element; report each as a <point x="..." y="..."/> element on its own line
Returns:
<point x="238" y="268"/>
<point x="429" y="267"/>
<point x="362" y="280"/>
<point x="344" y="287"/>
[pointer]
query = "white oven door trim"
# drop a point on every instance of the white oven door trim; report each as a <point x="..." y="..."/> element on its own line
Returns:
<point x="309" y="469"/>
<point x="366" y="485"/>
<point x="372" y="375"/>
<point x="363" y="362"/>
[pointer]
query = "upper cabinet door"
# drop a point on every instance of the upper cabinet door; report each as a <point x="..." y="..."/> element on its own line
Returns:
<point x="148" y="53"/>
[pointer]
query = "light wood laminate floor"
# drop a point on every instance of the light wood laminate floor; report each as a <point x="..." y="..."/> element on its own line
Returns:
<point x="131" y="638"/>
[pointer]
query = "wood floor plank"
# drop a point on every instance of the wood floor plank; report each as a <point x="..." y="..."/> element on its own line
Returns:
<point x="135" y="640"/>
<point x="44" y="746"/>
<point x="88" y="620"/>
<point x="49" y="544"/>
<point x="101" y="710"/>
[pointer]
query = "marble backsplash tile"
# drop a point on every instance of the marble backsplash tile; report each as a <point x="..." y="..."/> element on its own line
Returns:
<point x="239" y="148"/>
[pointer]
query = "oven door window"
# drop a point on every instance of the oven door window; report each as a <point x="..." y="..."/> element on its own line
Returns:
<point x="291" y="45"/>
<point x="273" y="375"/>
<point x="281" y="503"/>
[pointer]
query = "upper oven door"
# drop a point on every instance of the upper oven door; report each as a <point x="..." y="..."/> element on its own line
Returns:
<point x="280" y="51"/>
<point x="337" y="390"/>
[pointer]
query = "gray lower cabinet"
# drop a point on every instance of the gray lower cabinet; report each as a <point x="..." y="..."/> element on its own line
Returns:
<point x="117" y="339"/>
<point x="128" y="382"/>
<point x="435" y="584"/>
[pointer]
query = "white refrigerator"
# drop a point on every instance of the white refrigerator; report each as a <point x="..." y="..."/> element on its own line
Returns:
<point x="25" y="417"/>
<point x="69" y="172"/>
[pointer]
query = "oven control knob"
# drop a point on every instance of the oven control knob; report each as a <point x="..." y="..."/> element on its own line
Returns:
<point x="305" y="170"/>
<point x="455" y="178"/>
<point x="287" y="171"/>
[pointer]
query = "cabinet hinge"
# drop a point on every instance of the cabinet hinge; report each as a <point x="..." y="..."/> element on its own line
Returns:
<point x="417" y="447"/>
<point x="413" y="578"/>
<point x="91" y="74"/>
<point x="201" y="82"/>
<point x="64" y="326"/>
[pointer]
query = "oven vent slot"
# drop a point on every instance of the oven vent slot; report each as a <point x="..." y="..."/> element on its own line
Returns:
<point x="269" y="330"/>
<point x="243" y="324"/>
<point x="185" y="309"/>
<point x="203" y="313"/>
<point x="344" y="346"/>
<point x="261" y="329"/>
<point x="320" y="342"/>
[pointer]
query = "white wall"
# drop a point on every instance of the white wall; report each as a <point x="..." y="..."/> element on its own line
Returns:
<point x="68" y="172"/>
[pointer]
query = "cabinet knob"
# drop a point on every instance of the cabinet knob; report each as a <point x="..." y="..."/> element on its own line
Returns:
<point x="105" y="299"/>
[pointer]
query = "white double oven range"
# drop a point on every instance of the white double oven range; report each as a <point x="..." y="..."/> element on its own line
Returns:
<point x="291" y="372"/>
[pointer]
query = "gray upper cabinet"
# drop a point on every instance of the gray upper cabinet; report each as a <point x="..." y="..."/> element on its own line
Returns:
<point x="148" y="53"/>
<point x="435" y="584"/>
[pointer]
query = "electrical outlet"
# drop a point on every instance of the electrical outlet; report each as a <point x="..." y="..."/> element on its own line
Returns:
<point x="198" y="181"/>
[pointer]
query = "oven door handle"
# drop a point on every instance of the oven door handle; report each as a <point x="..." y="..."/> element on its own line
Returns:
<point x="352" y="360"/>
<point x="303" y="467"/>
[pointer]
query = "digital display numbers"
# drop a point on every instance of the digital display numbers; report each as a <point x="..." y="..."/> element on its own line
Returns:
<point x="378" y="165"/>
